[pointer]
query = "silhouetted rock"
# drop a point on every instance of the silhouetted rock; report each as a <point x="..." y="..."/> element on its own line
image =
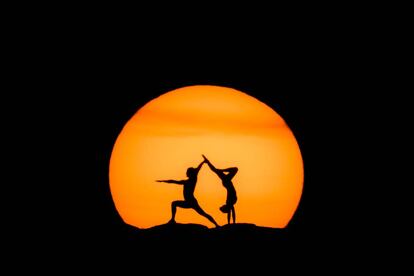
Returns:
<point x="240" y="234"/>
<point x="177" y="227"/>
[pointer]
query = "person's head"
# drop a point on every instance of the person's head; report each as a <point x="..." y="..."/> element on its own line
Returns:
<point x="225" y="209"/>
<point x="191" y="172"/>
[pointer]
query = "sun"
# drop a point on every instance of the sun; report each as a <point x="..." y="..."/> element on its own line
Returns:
<point x="170" y="133"/>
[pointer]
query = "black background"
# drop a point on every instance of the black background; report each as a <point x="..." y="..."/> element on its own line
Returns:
<point x="83" y="89"/>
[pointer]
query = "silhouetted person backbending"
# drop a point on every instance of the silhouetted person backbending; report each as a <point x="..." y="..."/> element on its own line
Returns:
<point x="189" y="200"/>
<point x="231" y="192"/>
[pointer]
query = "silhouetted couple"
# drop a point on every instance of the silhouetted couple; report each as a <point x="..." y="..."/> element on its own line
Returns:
<point x="190" y="201"/>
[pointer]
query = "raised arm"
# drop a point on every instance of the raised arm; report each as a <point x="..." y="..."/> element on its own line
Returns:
<point x="172" y="181"/>
<point x="199" y="166"/>
<point x="214" y="169"/>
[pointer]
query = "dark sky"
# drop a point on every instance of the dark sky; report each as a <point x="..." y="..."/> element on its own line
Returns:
<point x="84" y="95"/>
<point x="72" y="82"/>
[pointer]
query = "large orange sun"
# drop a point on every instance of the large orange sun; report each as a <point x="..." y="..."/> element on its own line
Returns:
<point x="170" y="133"/>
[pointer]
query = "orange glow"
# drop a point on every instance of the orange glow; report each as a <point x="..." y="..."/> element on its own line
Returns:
<point x="169" y="134"/>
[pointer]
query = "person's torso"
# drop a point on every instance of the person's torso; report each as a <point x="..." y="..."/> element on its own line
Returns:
<point x="231" y="191"/>
<point x="189" y="188"/>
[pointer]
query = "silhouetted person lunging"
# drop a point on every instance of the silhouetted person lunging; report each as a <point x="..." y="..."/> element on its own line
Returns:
<point x="189" y="200"/>
<point x="231" y="192"/>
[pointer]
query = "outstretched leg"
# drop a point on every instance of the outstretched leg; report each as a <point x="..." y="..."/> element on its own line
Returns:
<point x="174" y="205"/>
<point x="228" y="216"/>
<point x="198" y="209"/>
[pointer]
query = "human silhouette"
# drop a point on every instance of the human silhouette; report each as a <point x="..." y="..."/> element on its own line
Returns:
<point x="226" y="176"/>
<point x="189" y="200"/>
